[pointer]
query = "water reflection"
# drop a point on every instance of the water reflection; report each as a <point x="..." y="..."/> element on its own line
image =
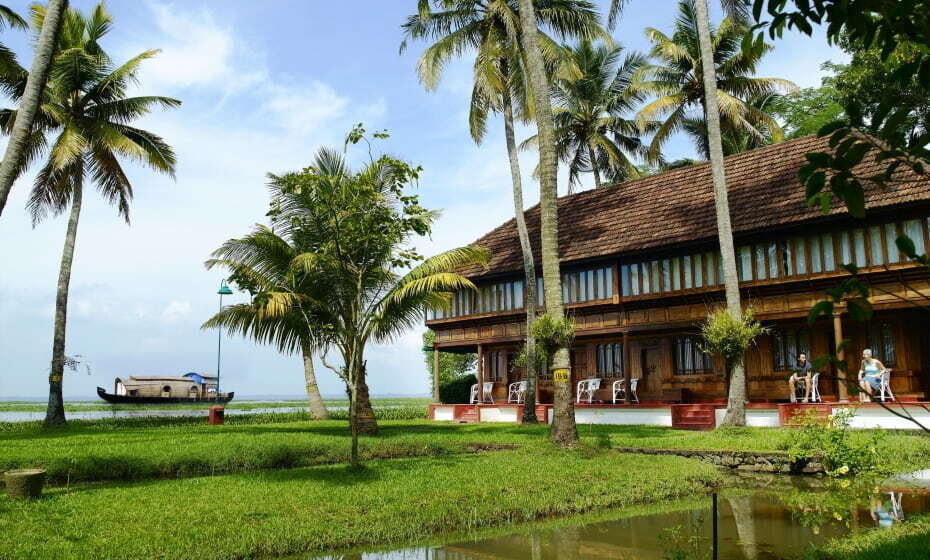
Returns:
<point x="781" y="520"/>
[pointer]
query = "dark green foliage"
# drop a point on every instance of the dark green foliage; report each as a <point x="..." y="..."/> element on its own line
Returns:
<point x="456" y="390"/>
<point x="901" y="541"/>
<point x="450" y="365"/>
<point x="884" y="95"/>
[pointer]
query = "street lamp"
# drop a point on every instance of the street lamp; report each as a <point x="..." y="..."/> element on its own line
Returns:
<point x="223" y="291"/>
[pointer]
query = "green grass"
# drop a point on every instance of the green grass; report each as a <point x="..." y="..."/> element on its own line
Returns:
<point x="904" y="541"/>
<point x="142" y="448"/>
<point x="318" y="508"/>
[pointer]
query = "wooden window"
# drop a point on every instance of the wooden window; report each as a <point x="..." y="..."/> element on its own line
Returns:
<point x="497" y="365"/>
<point x="608" y="282"/>
<point x="744" y="263"/>
<point x="816" y="257"/>
<point x="666" y="275"/>
<point x="646" y="278"/>
<point x="634" y="279"/>
<point x="876" y="246"/>
<point x="828" y="250"/>
<point x="686" y="264"/>
<point x="698" y="261"/>
<point x="710" y="269"/>
<point x="761" y="269"/>
<point x="610" y="359"/>
<point x="915" y="232"/>
<point x="800" y="256"/>
<point x="858" y="238"/>
<point x="786" y="345"/>
<point x="689" y="359"/>
<point x="676" y="274"/>
<point x="845" y="249"/>
<point x="518" y="295"/>
<point x="785" y="259"/>
<point x="891" y="234"/>
<point x="882" y="343"/>
<point x="771" y="252"/>
<point x="601" y="284"/>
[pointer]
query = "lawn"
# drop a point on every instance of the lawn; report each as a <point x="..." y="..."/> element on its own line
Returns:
<point x="279" y="485"/>
<point x="88" y="406"/>
<point x="905" y="541"/>
<point x="136" y="449"/>
<point x="318" y="508"/>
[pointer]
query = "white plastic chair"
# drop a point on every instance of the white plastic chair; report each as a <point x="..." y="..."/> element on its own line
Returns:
<point x="619" y="389"/>
<point x="488" y="389"/>
<point x="633" y="383"/>
<point x="815" y="388"/>
<point x="516" y="392"/>
<point x="885" y="386"/>
<point x="586" y="389"/>
<point x="474" y="394"/>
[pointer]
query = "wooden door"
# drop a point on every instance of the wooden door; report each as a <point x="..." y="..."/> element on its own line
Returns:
<point x="650" y="359"/>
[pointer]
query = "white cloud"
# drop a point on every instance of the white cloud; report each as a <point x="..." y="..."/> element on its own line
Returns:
<point x="302" y="109"/>
<point x="175" y="310"/>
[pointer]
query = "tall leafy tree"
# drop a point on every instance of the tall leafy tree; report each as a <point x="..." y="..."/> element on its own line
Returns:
<point x="86" y="112"/>
<point x="677" y="80"/>
<point x="592" y="109"/>
<point x="354" y="228"/>
<point x="260" y="264"/>
<point x="29" y="91"/>
<point x="564" y="432"/>
<point x="491" y="31"/>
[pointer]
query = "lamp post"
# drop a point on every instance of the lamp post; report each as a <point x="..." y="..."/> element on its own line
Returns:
<point x="223" y="291"/>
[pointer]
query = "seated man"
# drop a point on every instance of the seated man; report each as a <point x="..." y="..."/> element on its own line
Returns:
<point x="800" y="379"/>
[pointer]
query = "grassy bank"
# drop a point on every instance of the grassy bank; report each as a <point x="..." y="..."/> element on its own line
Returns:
<point x="904" y="541"/>
<point x="318" y="508"/>
<point x="135" y="449"/>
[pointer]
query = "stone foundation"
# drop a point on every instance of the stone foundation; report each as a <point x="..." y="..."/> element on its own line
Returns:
<point x="739" y="460"/>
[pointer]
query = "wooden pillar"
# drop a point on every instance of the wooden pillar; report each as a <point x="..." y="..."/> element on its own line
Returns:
<point x="435" y="374"/>
<point x="626" y="366"/>
<point x="480" y="373"/>
<point x="841" y="391"/>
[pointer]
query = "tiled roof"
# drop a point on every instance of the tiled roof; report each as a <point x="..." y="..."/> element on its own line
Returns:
<point x="677" y="207"/>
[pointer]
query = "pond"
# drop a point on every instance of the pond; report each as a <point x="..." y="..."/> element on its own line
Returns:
<point x="758" y="518"/>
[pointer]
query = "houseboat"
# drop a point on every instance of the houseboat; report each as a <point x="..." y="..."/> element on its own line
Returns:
<point x="641" y="270"/>
<point x="192" y="387"/>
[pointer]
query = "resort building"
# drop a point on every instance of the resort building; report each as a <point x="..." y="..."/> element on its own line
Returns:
<point x="641" y="270"/>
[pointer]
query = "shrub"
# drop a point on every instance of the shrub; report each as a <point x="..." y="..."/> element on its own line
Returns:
<point x="841" y="451"/>
<point x="456" y="390"/>
<point x="551" y="334"/>
<point x="729" y="337"/>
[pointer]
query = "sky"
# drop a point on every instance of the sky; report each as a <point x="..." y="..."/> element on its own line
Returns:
<point x="263" y="86"/>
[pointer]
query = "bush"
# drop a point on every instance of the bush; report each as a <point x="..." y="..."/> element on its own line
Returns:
<point x="729" y="337"/>
<point x="457" y="390"/>
<point x="841" y="451"/>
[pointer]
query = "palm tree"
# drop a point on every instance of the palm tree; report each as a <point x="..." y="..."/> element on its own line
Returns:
<point x="87" y="110"/>
<point x="491" y="29"/>
<point x="29" y="91"/>
<point x="260" y="263"/>
<point x="737" y="394"/>
<point x="739" y="140"/>
<point x="677" y="80"/>
<point x="564" y="432"/>
<point x="353" y="229"/>
<point x="592" y="131"/>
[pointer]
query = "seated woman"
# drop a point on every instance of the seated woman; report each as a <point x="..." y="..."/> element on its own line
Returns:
<point x="870" y="375"/>
<point x="800" y="377"/>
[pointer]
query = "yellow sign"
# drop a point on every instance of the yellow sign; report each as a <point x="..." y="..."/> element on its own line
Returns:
<point x="560" y="375"/>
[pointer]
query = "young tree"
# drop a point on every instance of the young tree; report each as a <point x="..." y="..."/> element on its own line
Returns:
<point x="259" y="263"/>
<point x="563" y="431"/>
<point x="88" y="109"/>
<point x="30" y="92"/>
<point x="354" y="228"/>
<point x="491" y="29"/>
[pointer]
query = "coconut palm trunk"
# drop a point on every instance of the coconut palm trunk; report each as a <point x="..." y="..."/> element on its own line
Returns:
<point x="564" y="431"/>
<point x="29" y="104"/>
<point x="736" y="399"/>
<point x="365" y="414"/>
<point x="314" y="400"/>
<point x="597" y="174"/>
<point x="529" y="266"/>
<point x="55" y="413"/>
